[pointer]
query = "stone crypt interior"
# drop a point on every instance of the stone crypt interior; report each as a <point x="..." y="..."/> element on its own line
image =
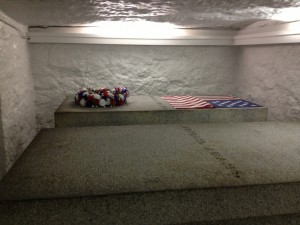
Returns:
<point x="146" y="162"/>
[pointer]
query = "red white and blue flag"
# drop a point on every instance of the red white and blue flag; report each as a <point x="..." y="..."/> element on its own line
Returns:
<point x="202" y="102"/>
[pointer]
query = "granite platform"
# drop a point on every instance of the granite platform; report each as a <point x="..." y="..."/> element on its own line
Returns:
<point x="157" y="174"/>
<point x="143" y="110"/>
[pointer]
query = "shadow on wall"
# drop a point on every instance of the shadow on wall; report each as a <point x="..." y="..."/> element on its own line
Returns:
<point x="269" y="75"/>
<point x="2" y="150"/>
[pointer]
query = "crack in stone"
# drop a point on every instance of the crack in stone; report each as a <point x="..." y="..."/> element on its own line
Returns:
<point x="193" y="135"/>
<point x="159" y="103"/>
<point x="217" y="155"/>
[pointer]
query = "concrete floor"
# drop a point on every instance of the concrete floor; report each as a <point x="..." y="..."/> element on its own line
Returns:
<point x="87" y="161"/>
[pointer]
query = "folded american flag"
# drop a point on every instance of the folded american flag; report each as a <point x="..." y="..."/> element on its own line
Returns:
<point x="202" y="102"/>
<point x="187" y="102"/>
<point x="238" y="103"/>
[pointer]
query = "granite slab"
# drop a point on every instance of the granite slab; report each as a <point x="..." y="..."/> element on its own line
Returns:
<point x="143" y="110"/>
<point x="70" y="162"/>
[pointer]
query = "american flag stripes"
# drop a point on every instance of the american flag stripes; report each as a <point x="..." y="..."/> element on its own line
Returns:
<point x="202" y="102"/>
<point x="217" y="97"/>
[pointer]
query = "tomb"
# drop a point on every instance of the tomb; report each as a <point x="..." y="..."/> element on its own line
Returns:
<point x="159" y="159"/>
<point x="150" y="110"/>
<point x="235" y="173"/>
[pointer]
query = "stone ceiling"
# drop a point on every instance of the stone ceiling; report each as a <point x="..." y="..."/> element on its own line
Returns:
<point x="210" y="14"/>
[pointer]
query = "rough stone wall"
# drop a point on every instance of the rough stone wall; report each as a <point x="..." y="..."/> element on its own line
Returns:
<point x="18" y="123"/>
<point x="2" y="152"/>
<point x="61" y="69"/>
<point x="270" y="75"/>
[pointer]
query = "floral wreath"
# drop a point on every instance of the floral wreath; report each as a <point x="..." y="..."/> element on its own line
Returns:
<point x="104" y="97"/>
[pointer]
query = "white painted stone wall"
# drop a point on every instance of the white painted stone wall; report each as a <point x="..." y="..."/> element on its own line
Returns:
<point x="62" y="69"/>
<point x="270" y="75"/>
<point x="18" y="123"/>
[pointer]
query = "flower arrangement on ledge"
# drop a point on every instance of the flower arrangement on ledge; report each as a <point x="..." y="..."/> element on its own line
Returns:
<point x="104" y="97"/>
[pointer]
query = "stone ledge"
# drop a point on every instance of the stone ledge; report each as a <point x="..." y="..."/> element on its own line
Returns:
<point x="149" y="110"/>
<point x="260" y="205"/>
<point x="156" y="174"/>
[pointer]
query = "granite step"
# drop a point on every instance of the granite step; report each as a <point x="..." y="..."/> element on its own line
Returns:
<point x="146" y="110"/>
<point x="217" y="173"/>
